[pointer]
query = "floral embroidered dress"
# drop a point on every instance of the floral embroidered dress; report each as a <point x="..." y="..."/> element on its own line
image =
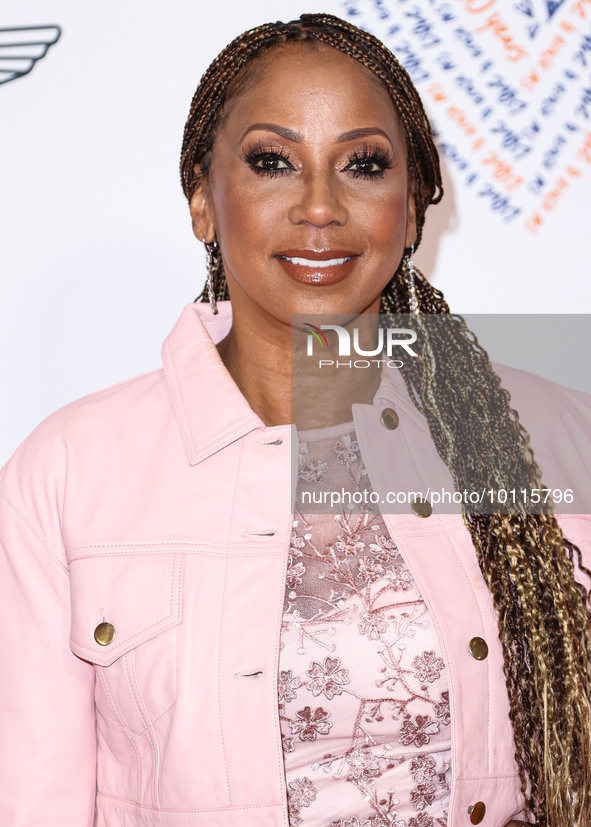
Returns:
<point x="363" y="698"/>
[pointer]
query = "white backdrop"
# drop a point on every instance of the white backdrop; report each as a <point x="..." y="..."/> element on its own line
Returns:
<point x="98" y="256"/>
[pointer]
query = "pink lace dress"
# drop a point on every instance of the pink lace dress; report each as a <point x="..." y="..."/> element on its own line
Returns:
<point x="363" y="698"/>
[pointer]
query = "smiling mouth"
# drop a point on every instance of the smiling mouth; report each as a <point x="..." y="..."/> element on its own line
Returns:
<point x="315" y="263"/>
<point x="316" y="267"/>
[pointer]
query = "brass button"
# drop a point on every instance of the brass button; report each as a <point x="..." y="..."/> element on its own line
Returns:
<point x="104" y="633"/>
<point x="476" y="812"/>
<point x="389" y="419"/>
<point x="478" y="648"/>
<point x="421" y="507"/>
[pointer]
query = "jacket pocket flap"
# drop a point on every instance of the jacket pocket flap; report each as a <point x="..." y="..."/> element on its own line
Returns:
<point x="131" y="597"/>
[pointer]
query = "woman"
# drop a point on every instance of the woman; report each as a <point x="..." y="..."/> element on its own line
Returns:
<point x="169" y="638"/>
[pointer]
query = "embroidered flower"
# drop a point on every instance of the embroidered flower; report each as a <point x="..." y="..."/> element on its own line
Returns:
<point x="427" y="667"/>
<point x="327" y="677"/>
<point x="288" y="684"/>
<point x="373" y="821"/>
<point x="313" y="471"/>
<point x="369" y="570"/>
<point x="373" y="711"/>
<point x="295" y="573"/>
<point x="418" y="731"/>
<point x="442" y="709"/>
<point x="287" y="744"/>
<point x="372" y="624"/>
<point x="399" y="578"/>
<point x="346" y="450"/>
<point x="348" y="546"/>
<point x="422" y="768"/>
<point x="309" y="724"/>
<point x="383" y="548"/>
<point x="362" y="765"/>
<point x="296" y="544"/>
<point x="301" y="792"/>
<point x="354" y="822"/>
<point x="423" y="796"/>
<point x="422" y="820"/>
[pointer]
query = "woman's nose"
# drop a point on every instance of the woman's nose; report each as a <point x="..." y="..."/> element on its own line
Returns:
<point x="318" y="201"/>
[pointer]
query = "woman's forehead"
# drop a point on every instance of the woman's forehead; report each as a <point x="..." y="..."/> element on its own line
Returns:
<point x="304" y="78"/>
<point x="296" y="58"/>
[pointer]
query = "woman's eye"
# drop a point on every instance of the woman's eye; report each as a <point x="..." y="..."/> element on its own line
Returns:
<point x="270" y="163"/>
<point x="368" y="166"/>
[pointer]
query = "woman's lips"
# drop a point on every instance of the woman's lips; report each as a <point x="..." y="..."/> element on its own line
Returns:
<point x="320" y="267"/>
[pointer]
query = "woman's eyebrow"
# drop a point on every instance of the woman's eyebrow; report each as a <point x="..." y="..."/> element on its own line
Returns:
<point x="290" y="134"/>
<point x="296" y="137"/>
<point x="362" y="132"/>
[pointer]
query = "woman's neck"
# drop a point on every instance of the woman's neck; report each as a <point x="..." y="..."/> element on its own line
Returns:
<point x="259" y="358"/>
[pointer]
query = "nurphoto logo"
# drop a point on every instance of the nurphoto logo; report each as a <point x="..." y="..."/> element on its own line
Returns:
<point x="395" y="337"/>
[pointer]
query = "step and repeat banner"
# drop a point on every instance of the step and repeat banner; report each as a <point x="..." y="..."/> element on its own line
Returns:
<point x="98" y="256"/>
<point x="508" y="88"/>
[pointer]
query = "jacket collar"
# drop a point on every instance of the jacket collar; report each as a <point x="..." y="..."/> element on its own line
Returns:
<point x="209" y="407"/>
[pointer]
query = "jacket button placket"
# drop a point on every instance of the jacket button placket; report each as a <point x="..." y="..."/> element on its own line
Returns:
<point x="390" y="420"/>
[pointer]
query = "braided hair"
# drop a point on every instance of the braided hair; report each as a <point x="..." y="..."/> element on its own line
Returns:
<point x="528" y="565"/>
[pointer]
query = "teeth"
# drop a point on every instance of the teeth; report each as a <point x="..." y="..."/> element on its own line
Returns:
<point x="306" y="262"/>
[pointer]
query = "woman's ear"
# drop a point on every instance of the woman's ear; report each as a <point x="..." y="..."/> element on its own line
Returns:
<point x="411" y="220"/>
<point x="201" y="212"/>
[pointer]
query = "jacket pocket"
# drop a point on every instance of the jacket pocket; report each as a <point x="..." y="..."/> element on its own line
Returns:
<point x="126" y="608"/>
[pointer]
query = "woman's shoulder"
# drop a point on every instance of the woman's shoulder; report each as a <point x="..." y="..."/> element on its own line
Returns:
<point x="116" y="403"/>
<point x="91" y="431"/>
<point x="558" y="421"/>
<point x="531" y="387"/>
<point x="547" y="409"/>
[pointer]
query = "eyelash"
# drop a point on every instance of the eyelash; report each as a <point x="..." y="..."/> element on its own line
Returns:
<point x="368" y="153"/>
<point x="374" y="154"/>
<point x="260" y="152"/>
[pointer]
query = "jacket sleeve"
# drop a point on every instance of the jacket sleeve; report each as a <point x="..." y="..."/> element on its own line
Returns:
<point x="47" y="716"/>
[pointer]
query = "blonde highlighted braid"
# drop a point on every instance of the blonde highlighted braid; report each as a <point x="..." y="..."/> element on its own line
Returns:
<point x="528" y="565"/>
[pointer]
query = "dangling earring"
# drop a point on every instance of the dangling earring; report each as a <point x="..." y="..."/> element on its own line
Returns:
<point x="413" y="300"/>
<point x="210" y="250"/>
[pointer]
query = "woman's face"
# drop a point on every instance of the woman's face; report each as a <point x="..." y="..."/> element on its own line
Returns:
<point x="308" y="190"/>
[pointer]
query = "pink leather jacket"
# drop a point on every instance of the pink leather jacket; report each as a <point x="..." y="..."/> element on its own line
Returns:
<point x="154" y="516"/>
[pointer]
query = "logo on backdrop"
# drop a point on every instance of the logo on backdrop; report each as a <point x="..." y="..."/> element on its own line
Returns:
<point x="21" y="48"/>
